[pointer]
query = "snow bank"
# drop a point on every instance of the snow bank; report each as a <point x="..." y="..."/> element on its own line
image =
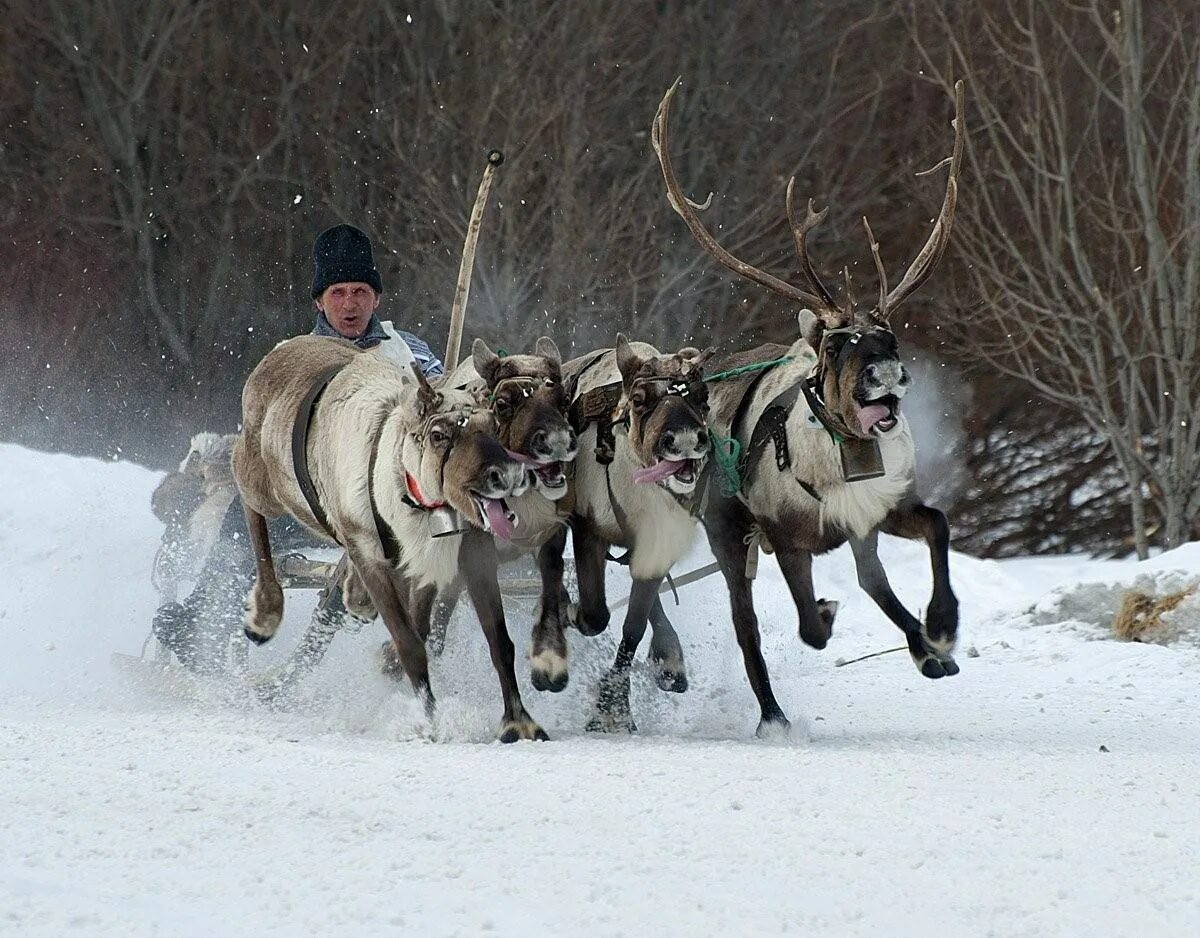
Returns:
<point x="1049" y="789"/>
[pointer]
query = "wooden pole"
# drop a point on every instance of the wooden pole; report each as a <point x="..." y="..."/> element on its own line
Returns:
<point x="463" y="289"/>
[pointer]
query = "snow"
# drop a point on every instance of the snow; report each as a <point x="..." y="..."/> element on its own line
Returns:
<point x="982" y="804"/>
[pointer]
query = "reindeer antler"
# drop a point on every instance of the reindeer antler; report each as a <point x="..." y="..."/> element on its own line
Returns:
<point x="800" y="238"/>
<point x="686" y="209"/>
<point x="923" y="265"/>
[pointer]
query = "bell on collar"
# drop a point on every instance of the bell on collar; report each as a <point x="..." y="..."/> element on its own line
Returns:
<point x="445" y="522"/>
<point x="861" y="459"/>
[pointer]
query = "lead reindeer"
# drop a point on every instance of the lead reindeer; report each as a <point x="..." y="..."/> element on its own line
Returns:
<point x="826" y="454"/>
<point x="380" y="450"/>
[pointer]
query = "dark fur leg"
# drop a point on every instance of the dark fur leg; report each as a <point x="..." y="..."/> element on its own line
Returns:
<point x="666" y="653"/>
<point x="874" y="581"/>
<point x="613" y="712"/>
<point x="590" y="553"/>
<point x="264" y="608"/>
<point x="480" y="564"/>
<point x="941" y="618"/>
<point x="816" y="616"/>
<point x="548" y="647"/>
<point x="377" y="576"/>
<point x="727" y="528"/>
<point x="420" y="604"/>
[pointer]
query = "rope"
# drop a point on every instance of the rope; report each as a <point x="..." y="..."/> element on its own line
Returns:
<point x="745" y="369"/>
<point x="727" y="453"/>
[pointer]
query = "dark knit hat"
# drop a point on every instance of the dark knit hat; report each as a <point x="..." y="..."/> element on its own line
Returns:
<point x="342" y="254"/>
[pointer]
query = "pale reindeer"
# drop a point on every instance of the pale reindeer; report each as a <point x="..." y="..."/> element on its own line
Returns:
<point x="643" y="443"/>
<point x="383" y="451"/>
<point x="826" y="454"/>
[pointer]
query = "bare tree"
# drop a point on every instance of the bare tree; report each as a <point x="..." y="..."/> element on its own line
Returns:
<point x="1081" y="239"/>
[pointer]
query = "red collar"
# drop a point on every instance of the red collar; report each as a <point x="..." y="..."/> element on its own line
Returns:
<point x="414" y="492"/>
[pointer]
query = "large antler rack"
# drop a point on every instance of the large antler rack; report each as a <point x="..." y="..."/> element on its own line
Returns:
<point x="821" y="301"/>
<point x="687" y="210"/>
<point x="927" y="260"/>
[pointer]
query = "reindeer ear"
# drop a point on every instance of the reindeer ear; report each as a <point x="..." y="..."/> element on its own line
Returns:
<point x="628" y="361"/>
<point x="428" y="399"/>
<point x="698" y="359"/>
<point x="547" y="349"/>
<point x="811" y="326"/>
<point x="485" y="360"/>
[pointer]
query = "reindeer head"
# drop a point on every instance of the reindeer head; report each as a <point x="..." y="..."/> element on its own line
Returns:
<point x="859" y="376"/>
<point x="666" y="401"/>
<point x="450" y="454"/>
<point x="529" y="403"/>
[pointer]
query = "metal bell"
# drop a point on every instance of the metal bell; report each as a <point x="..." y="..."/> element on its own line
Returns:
<point x="445" y="522"/>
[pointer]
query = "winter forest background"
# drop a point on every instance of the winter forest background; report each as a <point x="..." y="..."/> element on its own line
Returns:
<point x="165" y="166"/>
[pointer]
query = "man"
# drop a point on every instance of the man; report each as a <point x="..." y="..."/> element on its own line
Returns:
<point x="346" y="290"/>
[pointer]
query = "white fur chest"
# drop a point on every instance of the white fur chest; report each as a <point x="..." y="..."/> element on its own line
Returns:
<point x="856" y="507"/>
<point x="660" y="529"/>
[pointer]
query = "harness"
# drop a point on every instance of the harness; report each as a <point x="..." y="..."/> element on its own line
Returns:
<point x="412" y="496"/>
<point x="861" y="459"/>
<point x="599" y="406"/>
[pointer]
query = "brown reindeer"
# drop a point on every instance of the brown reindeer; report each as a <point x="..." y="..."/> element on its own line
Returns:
<point x="529" y="402"/>
<point x="383" y="450"/>
<point x="826" y="454"/>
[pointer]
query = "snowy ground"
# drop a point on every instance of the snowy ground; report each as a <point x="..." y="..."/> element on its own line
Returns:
<point x="1052" y="788"/>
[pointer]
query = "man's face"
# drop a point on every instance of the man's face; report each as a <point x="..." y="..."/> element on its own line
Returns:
<point x="348" y="307"/>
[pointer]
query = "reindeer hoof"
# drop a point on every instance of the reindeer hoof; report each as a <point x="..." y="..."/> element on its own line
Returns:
<point x="949" y="665"/>
<point x="264" y="612"/>
<point x="611" y="723"/>
<point x="932" y="668"/>
<point x="591" y="624"/>
<point x="517" y="730"/>
<point x="541" y="681"/>
<point x="255" y="636"/>
<point x="548" y="671"/>
<point x="673" y="682"/>
<point x="774" y="727"/>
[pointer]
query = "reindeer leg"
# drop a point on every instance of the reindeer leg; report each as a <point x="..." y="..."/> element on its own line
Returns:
<point x="443" y="608"/>
<point x="874" y="581"/>
<point x="548" y="648"/>
<point x="480" y="564"/>
<point x="420" y="604"/>
<point x="590" y="553"/>
<point x="612" y="703"/>
<point x="941" y="618"/>
<point x="816" y="615"/>
<point x="728" y="527"/>
<point x="376" y="575"/>
<point x="666" y="653"/>
<point x="264" y="607"/>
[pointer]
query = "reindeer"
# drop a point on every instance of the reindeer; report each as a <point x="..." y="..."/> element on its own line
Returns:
<point x="826" y="454"/>
<point x="641" y="416"/>
<point x="529" y="403"/>
<point x="361" y="453"/>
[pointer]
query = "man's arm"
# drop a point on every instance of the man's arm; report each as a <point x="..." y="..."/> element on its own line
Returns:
<point x="428" y="362"/>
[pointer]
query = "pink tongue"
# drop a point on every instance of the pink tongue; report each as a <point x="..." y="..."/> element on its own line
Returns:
<point x="663" y="469"/>
<point x="870" y="415"/>
<point x="498" y="519"/>
<point x="523" y="459"/>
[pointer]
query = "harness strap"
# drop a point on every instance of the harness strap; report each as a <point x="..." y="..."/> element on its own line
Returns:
<point x="597" y="406"/>
<point x="300" y="446"/>
<point x="817" y="406"/>
<point x="387" y="537"/>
